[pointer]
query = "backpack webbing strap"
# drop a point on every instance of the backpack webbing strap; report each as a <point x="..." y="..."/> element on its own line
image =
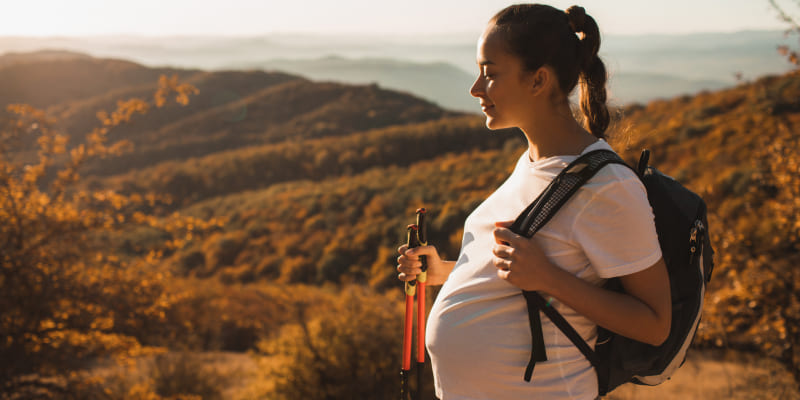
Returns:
<point x="563" y="325"/>
<point x="538" y="213"/>
<point x="538" y="352"/>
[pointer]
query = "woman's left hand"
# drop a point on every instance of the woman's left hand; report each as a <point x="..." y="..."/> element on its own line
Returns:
<point x="520" y="260"/>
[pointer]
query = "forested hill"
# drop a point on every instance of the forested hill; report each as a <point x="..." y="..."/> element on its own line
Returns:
<point x="363" y="186"/>
<point x="233" y="109"/>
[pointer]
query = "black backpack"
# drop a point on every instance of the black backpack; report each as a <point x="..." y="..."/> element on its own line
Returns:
<point x="680" y="218"/>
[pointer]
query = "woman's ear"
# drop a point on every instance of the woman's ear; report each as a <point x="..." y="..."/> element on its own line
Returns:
<point x="540" y="80"/>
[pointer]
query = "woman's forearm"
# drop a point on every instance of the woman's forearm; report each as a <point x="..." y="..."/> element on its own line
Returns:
<point x="438" y="276"/>
<point x="642" y="313"/>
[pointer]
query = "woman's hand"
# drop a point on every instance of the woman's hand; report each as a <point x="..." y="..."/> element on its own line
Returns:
<point x="409" y="265"/>
<point x="643" y="312"/>
<point x="520" y="260"/>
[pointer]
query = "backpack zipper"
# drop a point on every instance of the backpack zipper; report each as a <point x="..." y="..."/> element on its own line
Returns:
<point x="693" y="242"/>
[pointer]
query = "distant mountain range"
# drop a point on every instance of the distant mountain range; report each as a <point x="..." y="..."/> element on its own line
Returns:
<point x="441" y="82"/>
<point x="642" y="67"/>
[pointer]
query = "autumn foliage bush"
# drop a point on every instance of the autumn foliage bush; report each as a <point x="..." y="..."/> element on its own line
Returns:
<point x="65" y="297"/>
<point x="757" y="304"/>
<point x="347" y="347"/>
<point x="785" y="14"/>
<point x="208" y="315"/>
<point x="185" y="374"/>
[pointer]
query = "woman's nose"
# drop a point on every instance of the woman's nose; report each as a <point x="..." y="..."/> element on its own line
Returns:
<point x="477" y="89"/>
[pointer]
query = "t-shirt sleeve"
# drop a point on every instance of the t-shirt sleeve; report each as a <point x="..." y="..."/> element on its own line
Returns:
<point x="616" y="229"/>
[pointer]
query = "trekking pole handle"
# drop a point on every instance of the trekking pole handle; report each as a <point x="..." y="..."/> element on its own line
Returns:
<point x="422" y="239"/>
<point x="412" y="241"/>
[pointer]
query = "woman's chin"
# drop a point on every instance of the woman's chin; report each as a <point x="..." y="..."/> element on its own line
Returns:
<point x="494" y="123"/>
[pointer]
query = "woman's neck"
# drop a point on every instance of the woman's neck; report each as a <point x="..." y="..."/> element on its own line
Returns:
<point x="556" y="133"/>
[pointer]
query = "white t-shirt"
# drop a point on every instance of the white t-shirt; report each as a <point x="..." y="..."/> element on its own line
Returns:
<point x="478" y="335"/>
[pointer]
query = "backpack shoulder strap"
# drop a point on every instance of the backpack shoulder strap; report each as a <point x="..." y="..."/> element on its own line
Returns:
<point x="556" y="194"/>
<point x="533" y="218"/>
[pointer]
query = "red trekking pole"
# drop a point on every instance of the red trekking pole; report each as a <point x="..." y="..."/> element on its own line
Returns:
<point x="417" y="236"/>
<point x="421" y="279"/>
<point x="410" y="289"/>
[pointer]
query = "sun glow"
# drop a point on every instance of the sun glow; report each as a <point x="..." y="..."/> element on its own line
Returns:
<point x="255" y="17"/>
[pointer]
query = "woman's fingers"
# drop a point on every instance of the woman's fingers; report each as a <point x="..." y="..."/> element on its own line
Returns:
<point x="415" y="252"/>
<point x="504" y="274"/>
<point x="407" y="272"/>
<point x="507" y="238"/>
<point x="405" y="264"/>
<point x="503" y="257"/>
<point x="503" y="235"/>
<point x="409" y="260"/>
<point x="503" y="251"/>
<point x="502" y="263"/>
<point x="409" y="264"/>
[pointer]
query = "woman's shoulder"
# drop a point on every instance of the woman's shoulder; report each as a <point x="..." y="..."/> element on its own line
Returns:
<point x="613" y="186"/>
<point x="612" y="175"/>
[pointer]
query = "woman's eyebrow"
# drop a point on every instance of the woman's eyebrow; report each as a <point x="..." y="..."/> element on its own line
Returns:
<point x="485" y="62"/>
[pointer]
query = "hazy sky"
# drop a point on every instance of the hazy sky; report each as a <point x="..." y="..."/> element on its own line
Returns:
<point x="256" y="17"/>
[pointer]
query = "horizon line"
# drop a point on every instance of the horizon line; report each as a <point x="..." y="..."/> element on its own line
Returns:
<point x="354" y="35"/>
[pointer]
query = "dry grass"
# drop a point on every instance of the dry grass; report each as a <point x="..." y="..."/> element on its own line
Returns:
<point x="719" y="375"/>
<point x="209" y="375"/>
<point x="705" y="375"/>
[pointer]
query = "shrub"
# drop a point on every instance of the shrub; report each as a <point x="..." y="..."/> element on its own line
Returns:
<point x="65" y="298"/>
<point x="349" y="349"/>
<point x="185" y="374"/>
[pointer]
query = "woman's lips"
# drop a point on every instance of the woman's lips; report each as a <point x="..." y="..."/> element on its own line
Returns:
<point x="487" y="107"/>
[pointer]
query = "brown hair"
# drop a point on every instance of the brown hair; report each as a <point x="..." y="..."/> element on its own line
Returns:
<point x="542" y="35"/>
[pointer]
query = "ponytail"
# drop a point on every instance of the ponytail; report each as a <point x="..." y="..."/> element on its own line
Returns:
<point x="592" y="71"/>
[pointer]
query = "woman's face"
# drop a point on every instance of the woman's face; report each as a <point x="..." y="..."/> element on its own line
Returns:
<point x="502" y="84"/>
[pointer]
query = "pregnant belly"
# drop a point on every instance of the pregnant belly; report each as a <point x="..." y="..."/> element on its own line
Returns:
<point x="483" y="345"/>
<point x="479" y="339"/>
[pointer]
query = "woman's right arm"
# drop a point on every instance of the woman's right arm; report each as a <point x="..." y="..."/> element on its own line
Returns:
<point x="409" y="266"/>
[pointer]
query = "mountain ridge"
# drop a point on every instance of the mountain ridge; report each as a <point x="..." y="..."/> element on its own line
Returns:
<point x="690" y="59"/>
